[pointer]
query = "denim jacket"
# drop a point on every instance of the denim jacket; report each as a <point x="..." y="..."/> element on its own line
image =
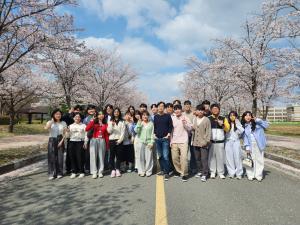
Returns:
<point x="259" y="134"/>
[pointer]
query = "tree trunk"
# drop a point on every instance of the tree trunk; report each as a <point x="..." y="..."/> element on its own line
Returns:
<point x="266" y="113"/>
<point x="254" y="94"/>
<point x="11" y="122"/>
<point x="68" y="101"/>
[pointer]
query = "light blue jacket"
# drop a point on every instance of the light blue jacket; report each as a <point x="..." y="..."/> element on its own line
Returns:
<point x="259" y="135"/>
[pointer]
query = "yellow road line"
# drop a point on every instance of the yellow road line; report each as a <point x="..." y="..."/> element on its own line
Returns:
<point x="161" y="209"/>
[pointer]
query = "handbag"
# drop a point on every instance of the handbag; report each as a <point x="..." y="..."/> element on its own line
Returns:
<point x="248" y="161"/>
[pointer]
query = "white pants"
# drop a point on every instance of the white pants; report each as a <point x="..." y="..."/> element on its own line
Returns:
<point x="137" y="149"/>
<point x="97" y="155"/>
<point x="216" y="158"/>
<point x="258" y="161"/>
<point x="145" y="164"/>
<point x="233" y="154"/>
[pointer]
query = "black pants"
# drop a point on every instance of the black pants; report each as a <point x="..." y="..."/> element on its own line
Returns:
<point x="86" y="160"/>
<point x="115" y="155"/>
<point x="201" y="156"/>
<point x="68" y="159"/>
<point x="77" y="156"/>
<point x="128" y="154"/>
<point x="55" y="157"/>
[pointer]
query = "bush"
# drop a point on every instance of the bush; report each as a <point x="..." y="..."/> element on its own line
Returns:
<point x="4" y="120"/>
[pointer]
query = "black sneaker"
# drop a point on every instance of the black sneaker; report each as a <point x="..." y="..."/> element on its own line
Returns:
<point x="184" y="178"/>
<point x="166" y="177"/>
<point x="160" y="173"/>
<point x="176" y="174"/>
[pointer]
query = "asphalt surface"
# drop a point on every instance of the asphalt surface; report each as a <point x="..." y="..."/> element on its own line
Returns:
<point x="32" y="199"/>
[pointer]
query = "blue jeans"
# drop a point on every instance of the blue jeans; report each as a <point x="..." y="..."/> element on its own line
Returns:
<point x="193" y="162"/>
<point x="162" y="148"/>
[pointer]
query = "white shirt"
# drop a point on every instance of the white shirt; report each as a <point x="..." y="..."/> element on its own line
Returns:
<point x="199" y="120"/>
<point x="77" y="132"/>
<point x="56" y="129"/>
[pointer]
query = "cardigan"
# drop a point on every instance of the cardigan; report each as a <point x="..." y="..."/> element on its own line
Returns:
<point x="201" y="133"/>
<point x="99" y="130"/>
<point x="145" y="133"/>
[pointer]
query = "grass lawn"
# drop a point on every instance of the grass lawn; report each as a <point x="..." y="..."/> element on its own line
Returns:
<point x="291" y="129"/>
<point x="23" y="129"/>
<point x="289" y="153"/>
<point x="9" y="155"/>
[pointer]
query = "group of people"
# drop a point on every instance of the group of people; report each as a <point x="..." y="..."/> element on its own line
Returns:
<point x="184" y="142"/>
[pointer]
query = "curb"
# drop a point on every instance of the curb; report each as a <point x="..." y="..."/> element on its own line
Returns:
<point x="21" y="163"/>
<point x="284" y="160"/>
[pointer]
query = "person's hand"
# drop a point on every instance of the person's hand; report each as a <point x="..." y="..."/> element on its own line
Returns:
<point x="138" y="117"/>
<point x="85" y="145"/>
<point x="248" y="152"/>
<point x="168" y="136"/>
<point x="150" y="146"/>
<point x="220" y="122"/>
<point x="71" y="110"/>
<point x="119" y="142"/>
<point x="113" y="123"/>
<point x="184" y="121"/>
<point x="60" y="144"/>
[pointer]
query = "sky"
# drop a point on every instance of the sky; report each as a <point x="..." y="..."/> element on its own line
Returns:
<point x="157" y="36"/>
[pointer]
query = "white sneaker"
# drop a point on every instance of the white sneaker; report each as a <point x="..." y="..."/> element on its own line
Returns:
<point x="203" y="178"/>
<point x="198" y="175"/>
<point x="81" y="175"/>
<point x="259" y="179"/>
<point x="222" y="176"/>
<point x="73" y="175"/>
<point x="212" y="176"/>
<point x="250" y="178"/>
<point x="59" y="176"/>
<point x="100" y="175"/>
<point x="50" y="178"/>
<point x="239" y="177"/>
<point x="231" y="176"/>
<point x="94" y="176"/>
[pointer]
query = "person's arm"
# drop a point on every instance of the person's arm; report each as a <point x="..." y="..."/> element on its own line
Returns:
<point x="170" y="126"/>
<point x="90" y="125"/>
<point x="155" y="125"/>
<point x="187" y="124"/>
<point x="226" y="125"/>
<point x="264" y="124"/>
<point x="110" y="127"/>
<point x="208" y="132"/>
<point x="138" y="127"/>
<point x="49" y="124"/>
<point x="240" y="128"/>
<point x="150" y="145"/>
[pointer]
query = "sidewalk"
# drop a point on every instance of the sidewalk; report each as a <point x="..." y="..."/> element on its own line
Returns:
<point x="23" y="141"/>
<point x="286" y="142"/>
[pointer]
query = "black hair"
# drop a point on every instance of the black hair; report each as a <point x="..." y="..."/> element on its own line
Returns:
<point x="206" y="102"/>
<point x="187" y="102"/>
<point x="137" y="112"/>
<point x="177" y="107"/>
<point x="230" y="122"/>
<point x="96" y="120"/>
<point x="153" y="105"/>
<point x="178" y="102"/>
<point x="143" y="105"/>
<point x="146" y="112"/>
<point x="131" y="107"/>
<point x="243" y="121"/>
<point x="159" y="103"/>
<point x="78" y="107"/>
<point x="169" y="105"/>
<point x="54" y="112"/>
<point x="200" y="107"/>
<point x="90" y="107"/>
<point x="215" y="105"/>
<point x="120" y="118"/>
<point x="108" y="106"/>
<point x="77" y="113"/>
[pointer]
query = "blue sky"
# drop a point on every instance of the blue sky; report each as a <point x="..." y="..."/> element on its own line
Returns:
<point x="156" y="36"/>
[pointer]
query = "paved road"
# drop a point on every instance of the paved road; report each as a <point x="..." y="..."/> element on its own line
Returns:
<point x="286" y="142"/>
<point x="32" y="199"/>
<point x="23" y="141"/>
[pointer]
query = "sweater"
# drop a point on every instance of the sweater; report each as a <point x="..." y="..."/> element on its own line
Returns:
<point x="201" y="132"/>
<point x="77" y="132"/>
<point x="163" y="125"/>
<point x="180" y="134"/>
<point x="117" y="131"/>
<point x="99" y="131"/>
<point x="145" y="132"/>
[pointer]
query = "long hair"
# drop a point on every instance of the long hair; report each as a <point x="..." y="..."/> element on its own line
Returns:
<point x="230" y="122"/>
<point x="120" y="117"/>
<point x="54" y="112"/>
<point x="243" y="121"/>
<point x="131" y="107"/>
<point x="137" y="112"/>
<point x="96" y="120"/>
<point x="108" y="106"/>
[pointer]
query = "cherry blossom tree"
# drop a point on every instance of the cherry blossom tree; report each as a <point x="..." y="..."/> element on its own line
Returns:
<point x="28" y="25"/>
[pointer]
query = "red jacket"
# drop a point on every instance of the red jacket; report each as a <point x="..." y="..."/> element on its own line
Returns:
<point x="99" y="130"/>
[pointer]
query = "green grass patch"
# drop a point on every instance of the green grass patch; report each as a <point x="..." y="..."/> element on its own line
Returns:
<point x="23" y="129"/>
<point x="9" y="155"/>
<point x="291" y="129"/>
<point x="289" y="153"/>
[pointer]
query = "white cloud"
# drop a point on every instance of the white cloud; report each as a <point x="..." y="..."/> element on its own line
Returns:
<point x="137" y="13"/>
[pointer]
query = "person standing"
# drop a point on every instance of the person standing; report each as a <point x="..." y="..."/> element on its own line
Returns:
<point x="255" y="143"/>
<point x="145" y="132"/>
<point x="143" y="107"/>
<point x="219" y="125"/>
<point x="99" y="144"/>
<point x="128" y="149"/>
<point x="109" y="109"/>
<point x="206" y="104"/>
<point x="201" y="141"/>
<point x="91" y="112"/>
<point x="163" y="127"/>
<point x="116" y="130"/>
<point x="233" y="148"/>
<point x="179" y="142"/>
<point x="76" y="146"/>
<point x="57" y="130"/>
<point x="190" y="115"/>
<point x="169" y="108"/>
<point x="154" y="111"/>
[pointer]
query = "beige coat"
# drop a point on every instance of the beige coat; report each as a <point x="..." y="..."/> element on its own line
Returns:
<point x="202" y="133"/>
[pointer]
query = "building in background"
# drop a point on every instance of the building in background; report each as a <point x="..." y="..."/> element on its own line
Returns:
<point x="293" y="113"/>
